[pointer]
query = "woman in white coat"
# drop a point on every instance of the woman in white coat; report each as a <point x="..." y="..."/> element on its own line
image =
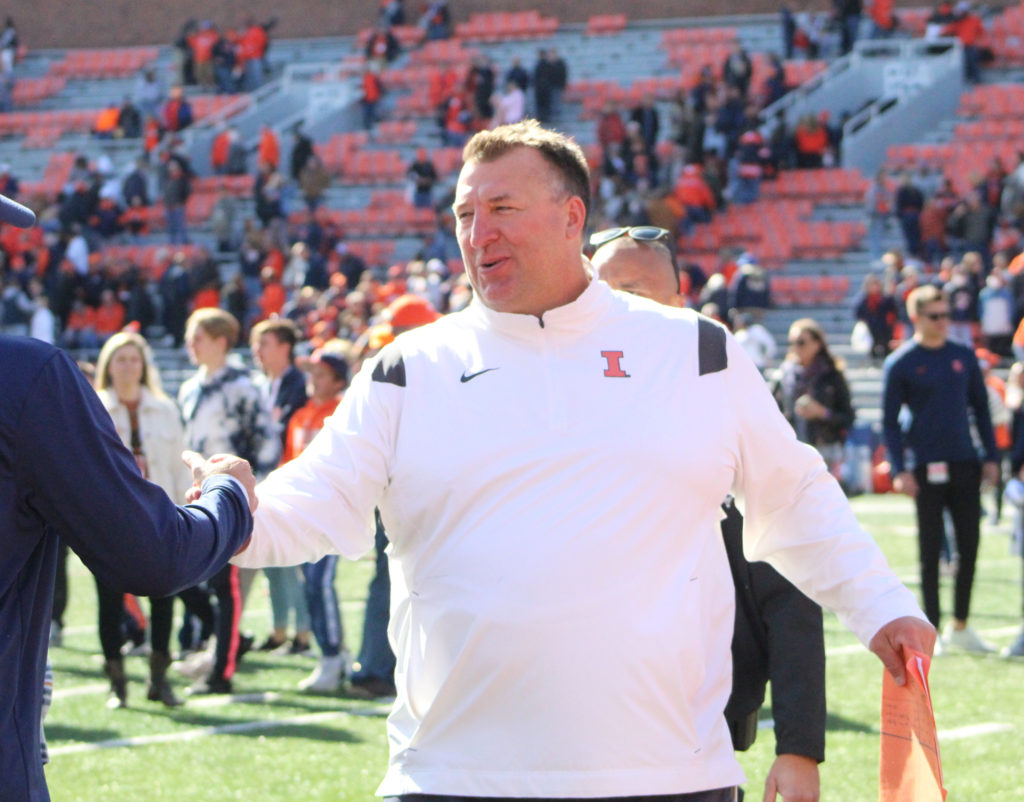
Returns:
<point x="149" y="424"/>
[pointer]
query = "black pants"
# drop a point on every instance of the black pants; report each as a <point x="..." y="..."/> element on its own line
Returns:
<point x="718" y="795"/>
<point x="110" y="605"/>
<point x="225" y="587"/>
<point x="961" y="495"/>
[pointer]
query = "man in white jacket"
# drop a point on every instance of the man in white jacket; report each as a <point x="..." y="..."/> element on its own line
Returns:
<point x="549" y="464"/>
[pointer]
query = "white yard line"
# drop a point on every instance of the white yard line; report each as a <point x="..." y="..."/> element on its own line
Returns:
<point x="224" y="729"/>
<point x="975" y="730"/>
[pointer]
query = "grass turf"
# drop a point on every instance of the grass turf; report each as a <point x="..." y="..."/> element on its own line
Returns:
<point x="288" y="745"/>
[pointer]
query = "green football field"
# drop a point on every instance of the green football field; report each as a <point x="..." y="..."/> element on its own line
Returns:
<point x="272" y="742"/>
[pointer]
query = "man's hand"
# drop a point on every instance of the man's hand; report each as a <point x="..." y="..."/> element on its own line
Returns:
<point x="891" y="641"/>
<point x="991" y="473"/>
<point x="794" y="778"/>
<point x="905" y="482"/>
<point x="219" y="463"/>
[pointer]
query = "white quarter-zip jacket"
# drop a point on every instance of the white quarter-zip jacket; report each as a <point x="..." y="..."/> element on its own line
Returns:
<point x="561" y="604"/>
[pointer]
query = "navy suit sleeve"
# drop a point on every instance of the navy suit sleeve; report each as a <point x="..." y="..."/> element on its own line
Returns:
<point x="86" y="485"/>
<point x="796" y="662"/>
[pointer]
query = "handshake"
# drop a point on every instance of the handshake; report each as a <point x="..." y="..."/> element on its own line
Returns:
<point x="217" y="464"/>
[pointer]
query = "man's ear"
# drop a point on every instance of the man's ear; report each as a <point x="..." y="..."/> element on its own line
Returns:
<point x="577" y="217"/>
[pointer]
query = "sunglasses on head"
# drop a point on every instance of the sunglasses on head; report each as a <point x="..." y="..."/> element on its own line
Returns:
<point x="638" y="233"/>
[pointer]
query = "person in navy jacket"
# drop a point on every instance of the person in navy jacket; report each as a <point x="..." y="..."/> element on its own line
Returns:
<point x="64" y="472"/>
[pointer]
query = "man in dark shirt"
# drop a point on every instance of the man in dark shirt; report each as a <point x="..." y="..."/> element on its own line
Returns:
<point x="67" y="475"/>
<point x="940" y="383"/>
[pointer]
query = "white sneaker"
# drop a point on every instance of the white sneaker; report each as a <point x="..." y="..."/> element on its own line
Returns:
<point x="196" y="666"/>
<point x="1016" y="649"/>
<point x="940" y="647"/>
<point x="966" y="640"/>
<point x="326" y="677"/>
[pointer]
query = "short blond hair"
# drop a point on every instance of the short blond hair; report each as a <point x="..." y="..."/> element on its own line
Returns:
<point x="921" y="296"/>
<point x="216" y="323"/>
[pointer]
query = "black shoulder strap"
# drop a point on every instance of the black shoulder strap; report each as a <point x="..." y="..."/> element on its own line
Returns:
<point x="711" y="355"/>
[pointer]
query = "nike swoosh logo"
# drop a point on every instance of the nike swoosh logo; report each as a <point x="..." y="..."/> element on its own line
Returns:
<point x="466" y="378"/>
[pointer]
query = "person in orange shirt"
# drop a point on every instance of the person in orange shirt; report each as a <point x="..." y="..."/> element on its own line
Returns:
<point x="269" y="151"/>
<point x="969" y="29"/>
<point x="372" y="91"/>
<point x="328" y="378"/>
<point x="811" y="139"/>
<point x="273" y="299"/>
<point x="80" y="328"/>
<point x="250" y="51"/>
<point x="201" y="43"/>
<point x="694" y="194"/>
<point x="106" y="123"/>
<point x="109" y="316"/>
<point x="219" y="150"/>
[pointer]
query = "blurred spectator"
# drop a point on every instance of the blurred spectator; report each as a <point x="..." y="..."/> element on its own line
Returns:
<point x="962" y="291"/>
<point x="105" y="126"/>
<point x="129" y="119"/>
<point x="16" y="307"/>
<point x="543" y="86"/>
<point x="392" y="12"/>
<point x="645" y="114"/>
<point x="372" y="91"/>
<point x="381" y="48"/>
<point x="750" y="289"/>
<point x="812" y="393"/>
<point x="848" y="15"/>
<point x="201" y="42"/>
<point x="423" y="176"/>
<point x="109" y="316"/>
<point x="150" y="93"/>
<point x="177" y="112"/>
<point x="748" y="170"/>
<point x="755" y="339"/>
<point x="302" y="151"/>
<point x="269" y="149"/>
<point x="877" y="309"/>
<point x="559" y="80"/>
<point x="314" y="180"/>
<point x="996" y="313"/>
<point x="737" y="69"/>
<point x="811" y="142"/>
<point x="969" y="29"/>
<point x="511" y="106"/>
<point x="611" y="132"/>
<point x="517" y="74"/>
<point x="267" y="193"/>
<point x="908" y="203"/>
<point x="250" y="53"/>
<point x="225" y="64"/>
<point x="480" y="84"/>
<point x="80" y="328"/>
<point x="9" y="183"/>
<point x="694" y="195"/>
<point x="9" y="43"/>
<point x="175" y="194"/>
<point x="436" y="20"/>
<point x="273" y="296"/>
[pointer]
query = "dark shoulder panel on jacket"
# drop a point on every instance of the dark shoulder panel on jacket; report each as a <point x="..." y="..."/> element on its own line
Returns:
<point x="390" y="368"/>
<point x="711" y="353"/>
